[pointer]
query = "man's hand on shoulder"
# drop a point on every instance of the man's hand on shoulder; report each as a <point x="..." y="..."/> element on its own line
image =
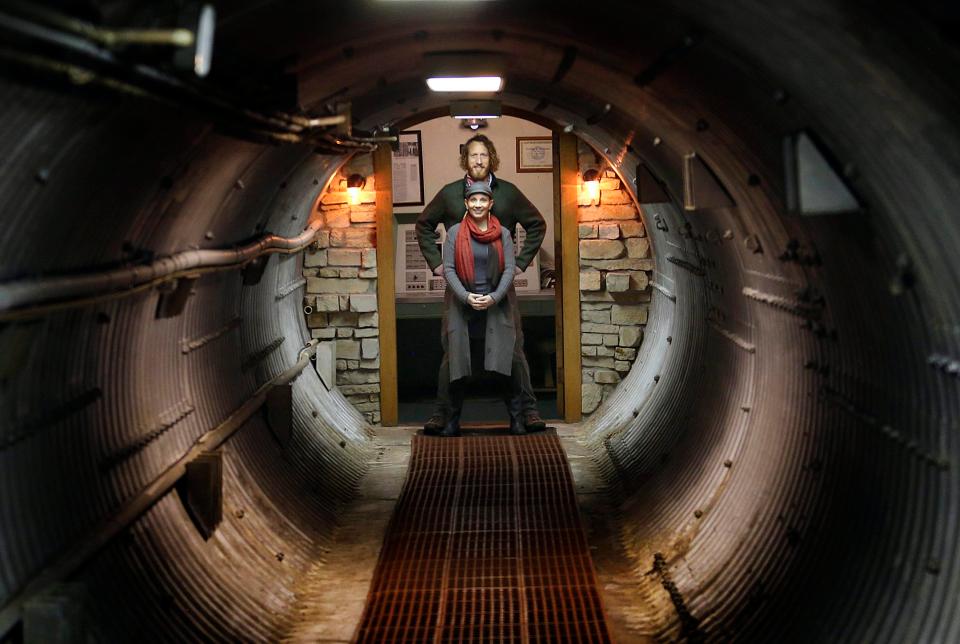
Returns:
<point x="517" y="271"/>
<point x="438" y="271"/>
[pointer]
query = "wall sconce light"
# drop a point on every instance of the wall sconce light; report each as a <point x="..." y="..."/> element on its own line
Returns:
<point x="591" y="183"/>
<point x="355" y="183"/>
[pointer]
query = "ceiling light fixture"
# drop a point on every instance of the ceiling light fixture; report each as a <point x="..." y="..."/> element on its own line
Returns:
<point x="465" y="83"/>
<point x="475" y="109"/>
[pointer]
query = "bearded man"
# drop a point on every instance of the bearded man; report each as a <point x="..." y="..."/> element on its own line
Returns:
<point x="478" y="158"/>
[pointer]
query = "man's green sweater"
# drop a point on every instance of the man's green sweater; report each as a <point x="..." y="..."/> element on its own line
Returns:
<point x="509" y="206"/>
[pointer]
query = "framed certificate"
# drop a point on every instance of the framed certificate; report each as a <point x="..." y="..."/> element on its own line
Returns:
<point x="408" y="170"/>
<point x="534" y="154"/>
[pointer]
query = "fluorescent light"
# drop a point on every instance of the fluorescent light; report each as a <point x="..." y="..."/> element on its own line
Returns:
<point x="478" y="116"/>
<point x="465" y="83"/>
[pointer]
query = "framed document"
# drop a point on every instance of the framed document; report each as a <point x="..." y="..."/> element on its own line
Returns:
<point x="534" y="154"/>
<point x="408" y="170"/>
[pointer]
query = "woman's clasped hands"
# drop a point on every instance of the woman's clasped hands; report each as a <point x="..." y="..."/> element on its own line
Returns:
<point x="479" y="302"/>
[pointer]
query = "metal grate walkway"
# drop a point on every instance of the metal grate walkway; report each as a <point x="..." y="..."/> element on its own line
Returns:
<point x="486" y="544"/>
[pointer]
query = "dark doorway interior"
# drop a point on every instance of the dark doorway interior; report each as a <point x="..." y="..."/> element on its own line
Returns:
<point x="418" y="358"/>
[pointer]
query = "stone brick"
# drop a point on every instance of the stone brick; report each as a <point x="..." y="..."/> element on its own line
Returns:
<point x="638" y="247"/>
<point x="588" y="350"/>
<point x="624" y="264"/>
<point x="621" y="366"/>
<point x="329" y="285"/>
<point x="605" y="352"/>
<point x="605" y="377"/>
<point x="363" y="303"/>
<point x="311" y="272"/>
<point x="322" y="240"/>
<point x="349" y="272"/>
<point x="343" y="318"/>
<point x="595" y="306"/>
<point x="368" y="273"/>
<point x="614" y="197"/>
<point x="326" y="303"/>
<point x="628" y="314"/>
<point x="597" y="317"/>
<point x="599" y="213"/>
<point x="317" y="320"/>
<point x="357" y="377"/>
<point x="371" y="348"/>
<point x="589" y="280"/>
<point x="590" y="338"/>
<point x="632" y="229"/>
<point x="341" y="366"/>
<point x="601" y="249"/>
<point x="348" y="390"/>
<point x="587" y="231"/>
<point x="630" y="297"/>
<point x="363" y="214"/>
<point x="369" y="258"/>
<point x="586" y="375"/>
<point x="625" y="354"/>
<point x="639" y="280"/>
<point x="590" y="396"/>
<point x="327" y="272"/>
<point x="354" y="237"/>
<point x="589" y="327"/>
<point x="608" y="231"/>
<point x="618" y="282"/>
<point x="348" y="349"/>
<point x="369" y="320"/>
<point x="316" y="259"/>
<point x="367" y="406"/>
<point x="344" y="302"/>
<point x="336" y="218"/>
<point x="609" y="183"/>
<point x="334" y="197"/>
<point x="366" y="333"/>
<point x="343" y="257"/>
<point x="630" y="336"/>
<point x="344" y="332"/>
<point x="327" y="333"/>
<point x="373" y="363"/>
<point x="353" y="364"/>
<point x="606" y="363"/>
<point x="611" y="339"/>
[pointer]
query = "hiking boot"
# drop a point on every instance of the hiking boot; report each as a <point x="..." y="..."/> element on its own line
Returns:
<point x="434" y="425"/>
<point x="533" y="422"/>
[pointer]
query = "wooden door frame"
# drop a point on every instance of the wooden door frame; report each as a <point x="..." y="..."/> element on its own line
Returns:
<point x="386" y="289"/>
<point x="567" y="259"/>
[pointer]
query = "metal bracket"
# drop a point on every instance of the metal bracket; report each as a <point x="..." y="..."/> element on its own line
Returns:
<point x="174" y="296"/>
<point x="649" y="188"/>
<point x="201" y="492"/>
<point x="701" y="187"/>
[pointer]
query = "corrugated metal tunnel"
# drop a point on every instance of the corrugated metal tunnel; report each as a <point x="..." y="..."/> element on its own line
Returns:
<point x="783" y="457"/>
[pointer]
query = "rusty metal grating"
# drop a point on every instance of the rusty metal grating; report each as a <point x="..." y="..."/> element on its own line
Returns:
<point x="486" y="544"/>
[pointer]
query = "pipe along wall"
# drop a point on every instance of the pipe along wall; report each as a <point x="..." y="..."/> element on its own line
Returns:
<point x="784" y="454"/>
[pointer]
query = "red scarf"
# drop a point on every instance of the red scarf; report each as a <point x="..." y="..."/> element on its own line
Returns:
<point x="463" y="250"/>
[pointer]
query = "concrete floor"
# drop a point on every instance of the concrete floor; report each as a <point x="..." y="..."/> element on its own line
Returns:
<point x="332" y="594"/>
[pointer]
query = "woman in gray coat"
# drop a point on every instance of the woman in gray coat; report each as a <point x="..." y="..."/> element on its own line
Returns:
<point x="480" y="306"/>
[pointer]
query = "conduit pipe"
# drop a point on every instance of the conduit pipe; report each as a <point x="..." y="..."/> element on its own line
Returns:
<point x="32" y="297"/>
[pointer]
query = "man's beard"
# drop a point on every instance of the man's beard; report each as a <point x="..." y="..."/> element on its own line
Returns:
<point x="478" y="174"/>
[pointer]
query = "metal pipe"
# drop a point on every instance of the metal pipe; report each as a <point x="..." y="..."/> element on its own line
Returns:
<point x="85" y="548"/>
<point x="34" y="297"/>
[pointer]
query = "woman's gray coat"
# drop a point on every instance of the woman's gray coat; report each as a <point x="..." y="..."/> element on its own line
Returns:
<point x="502" y="317"/>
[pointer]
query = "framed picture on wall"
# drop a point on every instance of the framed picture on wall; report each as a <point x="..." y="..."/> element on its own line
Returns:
<point x="534" y="154"/>
<point x="408" y="170"/>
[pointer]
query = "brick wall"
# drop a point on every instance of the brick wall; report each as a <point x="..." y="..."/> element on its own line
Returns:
<point x="615" y="269"/>
<point x="341" y="273"/>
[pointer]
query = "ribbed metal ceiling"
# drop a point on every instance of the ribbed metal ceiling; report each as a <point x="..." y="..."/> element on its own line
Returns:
<point x="785" y="451"/>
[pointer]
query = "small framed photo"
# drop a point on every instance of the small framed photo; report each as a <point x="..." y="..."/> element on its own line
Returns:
<point x="408" y="170"/>
<point x="534" y="154"/>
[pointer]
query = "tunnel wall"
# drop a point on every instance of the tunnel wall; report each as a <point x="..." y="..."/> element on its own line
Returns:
<point x="836" y="516"/>
<point x="100" y="400"/>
